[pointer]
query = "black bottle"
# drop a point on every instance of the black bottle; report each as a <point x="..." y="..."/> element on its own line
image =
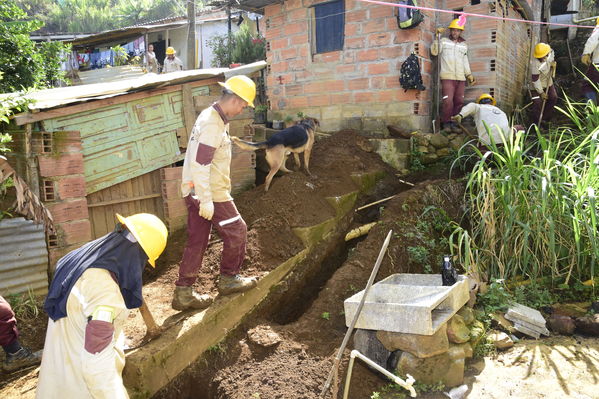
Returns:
<point x="448" y="274"/>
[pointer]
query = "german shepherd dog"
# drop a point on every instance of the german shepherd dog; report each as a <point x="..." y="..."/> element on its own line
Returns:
<point x="294" y="139"/>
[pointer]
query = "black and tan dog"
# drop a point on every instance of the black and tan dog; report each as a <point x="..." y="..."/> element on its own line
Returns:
<point x="294" y="139"/>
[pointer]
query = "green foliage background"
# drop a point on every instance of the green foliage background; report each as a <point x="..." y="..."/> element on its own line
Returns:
<point x="246" y="47"/>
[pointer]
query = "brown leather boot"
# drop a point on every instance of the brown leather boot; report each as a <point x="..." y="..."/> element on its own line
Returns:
<point x="186" y="298"/>
<point x="232" y="284"/>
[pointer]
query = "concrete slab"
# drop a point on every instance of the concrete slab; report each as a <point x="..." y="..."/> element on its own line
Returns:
<point x="408" y="303"/>
<point x="525" y="314"/>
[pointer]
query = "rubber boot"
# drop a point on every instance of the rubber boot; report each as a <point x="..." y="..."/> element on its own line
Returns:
<point x="186" y="298"/>
<point x="21" y="358"/>
<point x="231" y="284"/>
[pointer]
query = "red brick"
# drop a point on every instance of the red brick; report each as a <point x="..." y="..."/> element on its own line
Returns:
<point x="376" y="25"/>
<point x="297" y="65"/>
<point x="293" y="28"/>
<point x="346" y="98"/>
<point x="379" y="68"/>
<point x="355" y="16"/>
<point x="292" y="4"/>
<point x="300" y="13"/>
<point x="54" y="254"/>
<point x="481" y="24"/>
<point x="68" y="164"/>
<point x="364" y="97"/>
<point x="276" y="21"/>
<point x="385" y="96"/>
<point x="173" y="173"/>
<point x="294" y="90"/>
<point x="403" y="95"/>
<point x="407" y="36"/>
<point x="351" y="30"/>
<point x="343" y="69"/>
<point x="68" y="210"/>
<point x="280" y="43"/>
<point x="171" y="189"/>
<point x="320" y="100"/>
<point x="72" y="233"/>
<point x="482" y="52"/>
<point x="355" y="42"/>
<point x="332" y="56"/>
<point x="272" y="34"/>
<point x="66" y="142"/>
<point x="298" y="102"/>
<point x="392" y="82"/>
<point x="358" y="84"/>
<point x="377" y="82"/>
<point x="71" y="187"/>
<point x="278" y="67"/>
<point x="299" y="39"/>
<point x="174" y="208"/>
<point x="304" y="51"/>
<point x="333" y="85"/>
<point x="390" y="52"/>
<point x="272" y="9"/>
<point x="379" y="39"/>
<point x="313" y="87"/>
<point x="289" y="53"/>
<point x="378" y="11"/>
<point x="367" y="55"/>
<point x="455" y="4"/>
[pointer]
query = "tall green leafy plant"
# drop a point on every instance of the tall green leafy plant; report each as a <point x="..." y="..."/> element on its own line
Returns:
<point x="532" y="204"/>
<point x="244" y="48"/>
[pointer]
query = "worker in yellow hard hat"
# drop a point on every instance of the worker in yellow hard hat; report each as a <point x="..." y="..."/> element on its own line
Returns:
<point x="87" y="302"/>
<point x="454" y="71"/>
<point x="172" y="63"/>
<point x="590" y="58"/>
<point x="206" y="188"/>
<point x="544" y="96"/>
<point x="491" y="122"/>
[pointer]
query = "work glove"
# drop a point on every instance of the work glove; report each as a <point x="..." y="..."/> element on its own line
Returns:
<point x="543" y="96"/>
<point x="586" y="59"/>
<point x="207" y="210"/>
<point x="457" y="118"/>
<point x="440" y="31"/>
<point x="470" y="80"/>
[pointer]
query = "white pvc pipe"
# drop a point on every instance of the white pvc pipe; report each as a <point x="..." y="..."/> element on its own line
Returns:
<point x="407" y="384"/>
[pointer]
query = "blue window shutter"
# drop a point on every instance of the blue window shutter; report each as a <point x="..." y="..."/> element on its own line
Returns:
<point x="330" y="22"/>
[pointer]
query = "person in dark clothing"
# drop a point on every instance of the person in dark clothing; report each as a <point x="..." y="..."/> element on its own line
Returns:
<point x="17" y="356"/>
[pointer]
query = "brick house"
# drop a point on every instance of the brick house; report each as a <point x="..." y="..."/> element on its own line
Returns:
<point x="344" y="67"/>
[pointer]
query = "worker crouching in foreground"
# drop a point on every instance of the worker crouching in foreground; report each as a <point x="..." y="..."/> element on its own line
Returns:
<point x="206" y="188"/>
<point x="590" y="58"/>
<point x="454" y="71"/>
<point x="87" y="303"/>
<point x="543" y="71"/>
<point x="17" y="356"/>
<point x="486" y="116"/>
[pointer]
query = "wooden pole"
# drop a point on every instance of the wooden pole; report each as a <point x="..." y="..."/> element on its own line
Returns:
<point x="191" y="34"/>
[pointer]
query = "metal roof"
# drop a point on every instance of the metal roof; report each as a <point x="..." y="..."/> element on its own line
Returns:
<point x="256" y="6"/>
<point x="52" y="98"/>
<point x="23" y="257"/>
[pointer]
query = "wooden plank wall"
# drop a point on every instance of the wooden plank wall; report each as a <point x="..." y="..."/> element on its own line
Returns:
<point x="140" y="194"/>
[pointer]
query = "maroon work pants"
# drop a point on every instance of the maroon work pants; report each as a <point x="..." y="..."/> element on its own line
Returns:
<point x="537" y="104"/>
<point x="231" y="229"/>
<point x="8" y="324"/>
<point x="452" y="98"/>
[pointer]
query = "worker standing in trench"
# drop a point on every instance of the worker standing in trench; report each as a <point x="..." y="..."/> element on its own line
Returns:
<point x="87" y="303"/>
<point x="454" y="71"/>
<point x="206" y="188"/>
<point x="543" y="71"/>
<point x="590" y="58"/>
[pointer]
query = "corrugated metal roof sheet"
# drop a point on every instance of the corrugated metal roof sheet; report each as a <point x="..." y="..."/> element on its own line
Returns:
<point x="23" y="257"/>
<point x="51" y="98"/>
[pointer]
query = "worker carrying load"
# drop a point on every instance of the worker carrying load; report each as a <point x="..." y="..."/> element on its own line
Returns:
<point x="87" y="303"/>
<point x="454" y="71"/>
<point x="492" y="123"/>
<point x="543" y="72"/>
<point x="590" y="58"/>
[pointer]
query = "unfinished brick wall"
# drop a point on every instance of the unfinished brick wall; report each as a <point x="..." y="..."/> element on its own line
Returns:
<point x="357" y="87"/>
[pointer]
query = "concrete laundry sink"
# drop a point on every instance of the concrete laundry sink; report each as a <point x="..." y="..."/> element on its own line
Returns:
<point x="408" y="303"/>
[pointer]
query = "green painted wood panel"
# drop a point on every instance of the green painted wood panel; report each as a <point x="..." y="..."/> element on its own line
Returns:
<point x="124" y="141"/>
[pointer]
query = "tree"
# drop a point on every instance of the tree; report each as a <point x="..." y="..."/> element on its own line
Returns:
<point x="246" y="48"/>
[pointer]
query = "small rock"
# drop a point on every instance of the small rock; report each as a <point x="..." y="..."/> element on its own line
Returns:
<point x="366" y="342"/>
<point x="423" y="149"/>
<point x="443" y="152"/>
<point x="263" y="336"/>
<point x="500" y="339"/>
<point x="571" y="309"/>
<point x="457" y="392"/>
<point x="498" y="320"/>
<point x="439" y="141"/>
<point x="561" y="324"/>
<point x="421" y="346"/>
<point x="467" y="314"/>
<point x="588" y="325"/>
<point x="429" y="158"/>
<point x="457" y="331"/>
<point x="467" y="348"/>
<point x="396" y="131"/>
<point x="433" y="369"/>
<point x="595" y="306"/>
<point x="477" y="332"/>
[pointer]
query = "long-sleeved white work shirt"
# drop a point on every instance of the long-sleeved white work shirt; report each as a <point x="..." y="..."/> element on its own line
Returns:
<point x="172" y="65"/>
<point x="494" y="118"/>
<point x="544" y="71"/>
<point x="453" y="58"/>
<point x="207" y="164"/>
<point x="592" y="46"/>
<point x="68" y="370"/>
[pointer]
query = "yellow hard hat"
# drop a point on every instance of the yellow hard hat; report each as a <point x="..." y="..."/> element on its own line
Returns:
<point x="454" y="25"/>
<point x="488" y="96"/>
<point x="541" y="50"/>
<point x="149" y="231"/>
<point x="170" y="51"/>
<point x="243" y="86"/>
<point x="597" y="21"/>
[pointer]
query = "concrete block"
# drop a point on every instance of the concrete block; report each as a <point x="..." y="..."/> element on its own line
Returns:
<point x="421" y="346"/>
<point x="366" y="342"/>
<point x="408" y="303"/>
<point x="393" y="151"/>
<point x="527" y="320"/>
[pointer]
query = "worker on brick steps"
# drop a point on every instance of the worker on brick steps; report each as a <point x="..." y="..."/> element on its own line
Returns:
<point x="17" y="356"/>
<point x="87" y="303"/>
<point x="206" y="188"/>
<point x="590" y="58"/>
<point x="491" y="123"/>
<point x="454" y="71"/>
<point x="543" y="71"/>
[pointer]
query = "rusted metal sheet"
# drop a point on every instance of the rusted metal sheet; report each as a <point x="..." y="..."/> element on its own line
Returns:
<point x="23" y="257"/>
<point x="123" y="141"/>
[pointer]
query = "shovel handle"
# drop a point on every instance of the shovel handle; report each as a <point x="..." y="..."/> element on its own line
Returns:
<point x="149" y="319"/>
